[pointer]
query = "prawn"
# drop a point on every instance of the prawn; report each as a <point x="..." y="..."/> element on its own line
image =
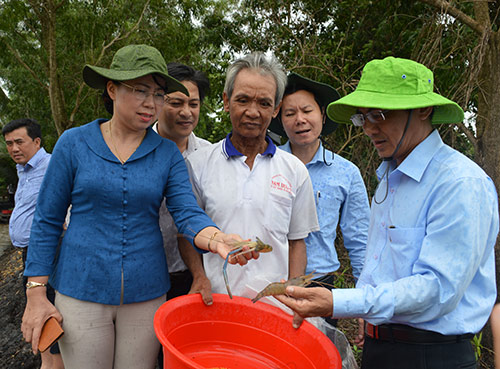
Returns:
<point x="257" y="245"/>
<point x="279" y="288"/>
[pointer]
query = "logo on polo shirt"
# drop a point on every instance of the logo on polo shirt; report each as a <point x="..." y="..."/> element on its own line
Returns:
<point x="279" y="182"/>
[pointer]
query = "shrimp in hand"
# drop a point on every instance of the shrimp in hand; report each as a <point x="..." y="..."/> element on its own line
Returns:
<point x="279" y="288"/>
<point x="257" y="245"/>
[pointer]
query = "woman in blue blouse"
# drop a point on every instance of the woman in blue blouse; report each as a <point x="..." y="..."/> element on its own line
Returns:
<point x="110" y="273"/>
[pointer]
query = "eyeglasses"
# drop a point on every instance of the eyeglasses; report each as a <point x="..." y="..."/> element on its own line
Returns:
<point x="142" y="94"/>
<point x="374" y="116"/>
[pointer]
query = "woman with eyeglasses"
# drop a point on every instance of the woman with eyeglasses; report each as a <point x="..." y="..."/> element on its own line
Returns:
<point x="110" y="273"/>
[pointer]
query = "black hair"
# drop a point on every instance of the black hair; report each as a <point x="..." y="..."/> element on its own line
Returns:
<point x="108" y="101"/>
<point x="291" y="89"/>
<point x="32" y="127"/>
<point x="182" y="72"/>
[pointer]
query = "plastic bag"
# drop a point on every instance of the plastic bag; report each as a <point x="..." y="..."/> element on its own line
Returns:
<point x="339" y="340"/>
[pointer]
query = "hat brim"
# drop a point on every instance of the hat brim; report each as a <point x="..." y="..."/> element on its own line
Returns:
<point x="98" y="77"/>
<point x="445" y="110"/>
<point x="324" y="93"/>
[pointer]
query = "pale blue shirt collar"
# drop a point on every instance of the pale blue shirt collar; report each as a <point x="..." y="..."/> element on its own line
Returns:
<point x="34" y="161"/>
<point x="230" y="150"/>
<point x="418" y="160"/>
<point x="318" y="156"/>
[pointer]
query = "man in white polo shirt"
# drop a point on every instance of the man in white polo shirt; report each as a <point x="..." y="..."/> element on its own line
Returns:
<point x="177" y="120"/>
<point x="249" y="187"/>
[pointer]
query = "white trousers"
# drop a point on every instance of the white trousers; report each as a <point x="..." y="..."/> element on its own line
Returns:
<point x="98" y="336"/>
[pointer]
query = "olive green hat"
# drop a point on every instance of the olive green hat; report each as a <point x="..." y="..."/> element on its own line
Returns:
<point x="395" y="84"/>
<point x="130" y="62"/>
<point x="323" y="93"/>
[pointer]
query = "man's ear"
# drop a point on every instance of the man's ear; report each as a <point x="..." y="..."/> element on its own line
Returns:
<point x="277" y="110"/>
<point x="425" y="113"/>
<point x="225" y="98"/>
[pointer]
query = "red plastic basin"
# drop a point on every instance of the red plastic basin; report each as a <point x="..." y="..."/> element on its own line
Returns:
<point x="236" y="333"/>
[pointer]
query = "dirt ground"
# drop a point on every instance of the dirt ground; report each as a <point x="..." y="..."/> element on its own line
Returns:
<point x="15" y="353"/>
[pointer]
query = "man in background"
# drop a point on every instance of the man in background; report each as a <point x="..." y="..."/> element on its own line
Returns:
<point x="176" y="122"/>
<point x="23" y="138"/>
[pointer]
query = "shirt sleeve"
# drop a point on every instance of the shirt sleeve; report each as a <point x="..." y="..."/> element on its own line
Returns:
<point x="53" y="202"/>
<point x="458" y="239"/>
<point x="304" y="219"/>
<point x="354" y="222"/>
<point x="193" y="178"/>
<point x="181" y="203"/>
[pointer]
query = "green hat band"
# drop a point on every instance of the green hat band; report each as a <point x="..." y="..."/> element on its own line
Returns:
<point x="395" y="84"/>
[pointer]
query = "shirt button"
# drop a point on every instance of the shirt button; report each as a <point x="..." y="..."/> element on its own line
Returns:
<point x="124" y="242"/>
<point x="124" y="228"/>
<point x="392" y="190"/>
<point x="125" y="202"/>
<point x="383" y="224"/>
<point x="375" y="257"/>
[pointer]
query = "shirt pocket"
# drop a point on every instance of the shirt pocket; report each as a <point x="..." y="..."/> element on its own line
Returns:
<point x="405" y="245"/>
<point x="278" y="215"/>
<point x="32" y="188"/>
<point x="327" y="208"/>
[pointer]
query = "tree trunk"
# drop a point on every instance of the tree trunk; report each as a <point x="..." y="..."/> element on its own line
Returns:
<point x="488" y="153"/>
<point x="56" y="96"/>
<point x="46" y="11"/>
<point x="488" y="118"/>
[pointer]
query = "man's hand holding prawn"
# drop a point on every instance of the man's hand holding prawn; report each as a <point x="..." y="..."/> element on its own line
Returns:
<point x="307" y="302"/>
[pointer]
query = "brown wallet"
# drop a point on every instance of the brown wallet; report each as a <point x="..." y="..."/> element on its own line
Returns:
<point x="51" y="332"/>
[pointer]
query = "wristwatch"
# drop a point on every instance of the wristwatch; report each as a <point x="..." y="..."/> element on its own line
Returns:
<point x="31" y="284"/>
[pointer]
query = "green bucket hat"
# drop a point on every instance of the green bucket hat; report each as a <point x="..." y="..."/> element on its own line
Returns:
<point x="322" y="92"/>
<point x="395" y="84"/>
<point x="130" y="62"/>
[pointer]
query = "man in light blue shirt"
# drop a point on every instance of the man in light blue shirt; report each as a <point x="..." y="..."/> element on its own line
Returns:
<point x="23" y="138"/>
<point x="428" y="283"/>
<point x="23" y="141"/>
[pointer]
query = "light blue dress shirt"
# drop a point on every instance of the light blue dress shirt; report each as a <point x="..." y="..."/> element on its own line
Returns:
<point x="114" y="230"/>
<point x="30" y="179"/>
<point x="341" y="198"/>
<point x="430" y="255"/>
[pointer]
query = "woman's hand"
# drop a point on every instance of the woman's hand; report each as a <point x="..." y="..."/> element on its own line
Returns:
<point x="225" y="243"/>
<point x="38" y="310"/>
<point x="216" y="241"/>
